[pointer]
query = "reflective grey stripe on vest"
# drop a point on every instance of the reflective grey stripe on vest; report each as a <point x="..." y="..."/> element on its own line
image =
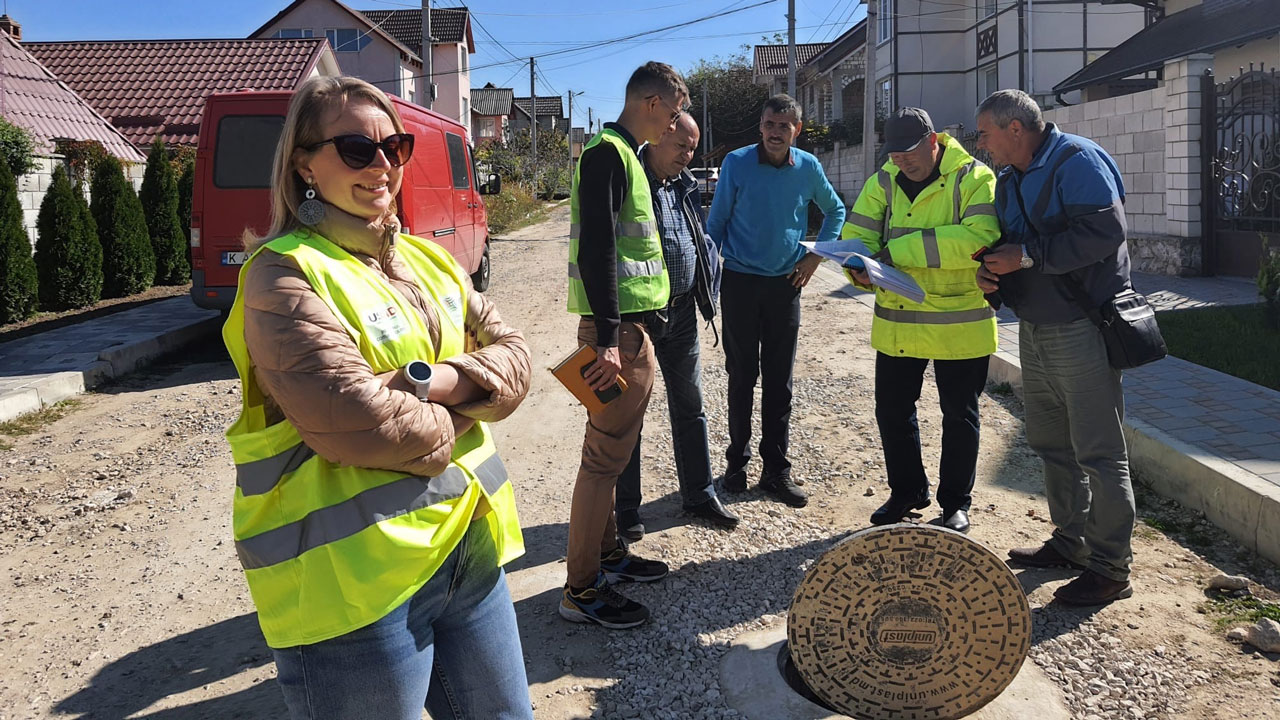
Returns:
<point x="622" y="229"/>
<point x="369" y="508"/>
<point x="886" y="184"/>
<point x="627" y="269"/>
<point x="955" y="191"/>
<point x="916" y="317"/>
<point x="864" y="221"/>
<point x="980" y="209"/>
<point x="260" y="476"/>
<point x="932" y="256"/>
<point x="898" y="232"/>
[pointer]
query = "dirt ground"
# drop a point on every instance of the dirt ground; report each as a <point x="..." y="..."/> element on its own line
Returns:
<point x="123" y="597"/>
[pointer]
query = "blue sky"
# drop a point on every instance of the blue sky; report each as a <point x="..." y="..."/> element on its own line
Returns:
<point x="522" y="28"/>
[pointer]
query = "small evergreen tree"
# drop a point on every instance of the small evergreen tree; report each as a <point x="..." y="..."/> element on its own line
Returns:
<point x="17" y="147"/>
<point x="186" y="189"/>
<point x="17" y="269"/>
<point x="160" y="204"/>
<point x="128" y="264"/>
<point x="68" y="255"/>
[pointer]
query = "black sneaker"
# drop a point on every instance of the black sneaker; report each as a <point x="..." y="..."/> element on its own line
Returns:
<point x="621" y="566"/>
<point x="782" y="488"/>
<point x="630" y="526"/>
<point x="735" y="481"/>
<point x="602" y="605"/>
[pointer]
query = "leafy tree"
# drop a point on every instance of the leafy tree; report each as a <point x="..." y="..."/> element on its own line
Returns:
<point x="68" y="256"/>
<point x="128" y="264"/>
<point x="513" y="163"/>
<point x="186" y="188"/>
<point x="17" y="269"/>
<point x="160" y="204"/>
<point x="17" y="147"/>
<point x="734" y="102"/>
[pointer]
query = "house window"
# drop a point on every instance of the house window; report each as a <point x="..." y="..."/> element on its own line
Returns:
<point x="347" y="39"/>
<point x="488" y="127"/>
<point x="292" y="33"/>
<point x="884" y="99"/>
<point x="987" y="8"/>
<point x="466" y="109"/>
<point x="462" y="63"/>
<point x="988" y="81"/>
<point x="885" y="20"/>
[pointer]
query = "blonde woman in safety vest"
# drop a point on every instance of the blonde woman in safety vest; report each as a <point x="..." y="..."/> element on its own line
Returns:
<point x="372" y="512"/>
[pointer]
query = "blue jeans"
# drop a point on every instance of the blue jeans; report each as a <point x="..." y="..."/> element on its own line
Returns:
<point x="680" y="360"/>
<point x="452" y="648"/>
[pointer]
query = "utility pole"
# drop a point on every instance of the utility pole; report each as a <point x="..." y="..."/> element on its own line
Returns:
<point x="590" y="123"/>
<point x="430" y="95"/>
<point x="791" y="47"/>
<point x="533" y="123"/>
<point x="869" y="92"/>
<point x="706" y="136"/>
<point x="569" y="133"/>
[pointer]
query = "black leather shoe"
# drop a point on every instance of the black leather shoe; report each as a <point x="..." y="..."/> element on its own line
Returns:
<point x="896" y="508"/>
<point x="630" y="528"/>
<point x="735" y="481"/>
<point x="1044" y="556"/>
<point x="1093" y="589"/>
<point x="958" y="521"/>
<point x="714" y="512"/>
<point x="782" y="488"/>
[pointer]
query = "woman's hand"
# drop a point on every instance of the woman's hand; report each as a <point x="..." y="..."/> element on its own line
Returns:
<point x="448" y="386"/>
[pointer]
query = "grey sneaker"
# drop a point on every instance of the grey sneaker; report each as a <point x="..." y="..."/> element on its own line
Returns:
<point x="784" y="489"/>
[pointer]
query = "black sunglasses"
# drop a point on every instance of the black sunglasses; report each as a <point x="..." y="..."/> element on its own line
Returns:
<point x="358" y="151"/>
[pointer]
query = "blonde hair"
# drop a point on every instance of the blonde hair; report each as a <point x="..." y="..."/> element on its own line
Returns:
<point x="304" y="126"/>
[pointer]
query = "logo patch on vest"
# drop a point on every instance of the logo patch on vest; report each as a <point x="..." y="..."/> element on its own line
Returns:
<point x="384" y="324"/>
<point x="453" y="305"/>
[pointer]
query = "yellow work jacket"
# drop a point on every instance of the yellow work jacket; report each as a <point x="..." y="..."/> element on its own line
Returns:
<point x="932" y="239"/>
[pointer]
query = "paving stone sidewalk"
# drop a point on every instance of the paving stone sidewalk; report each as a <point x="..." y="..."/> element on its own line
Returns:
<point x="39" y="370"/>
<point x="1225" y="416"/>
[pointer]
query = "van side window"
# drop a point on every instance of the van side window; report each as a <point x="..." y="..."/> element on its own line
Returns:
<point x="457" y="161"/>
<point x="246" y="146"/>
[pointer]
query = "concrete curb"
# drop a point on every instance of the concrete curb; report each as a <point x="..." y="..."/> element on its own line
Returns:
<point x="113" y="362"/>
<point x="1242" y="504"/>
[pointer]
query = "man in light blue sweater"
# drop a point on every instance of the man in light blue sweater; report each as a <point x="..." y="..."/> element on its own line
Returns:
<point x="758" y="218"/>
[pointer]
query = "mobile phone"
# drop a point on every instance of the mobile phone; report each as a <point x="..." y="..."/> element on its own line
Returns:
<point x="608" y="394"/>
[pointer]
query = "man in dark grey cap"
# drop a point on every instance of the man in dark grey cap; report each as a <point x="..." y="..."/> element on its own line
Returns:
<point x="928" y="210"/>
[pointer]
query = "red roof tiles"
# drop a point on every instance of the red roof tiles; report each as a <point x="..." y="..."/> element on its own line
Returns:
<point x="150" y="88"/>
<point x="32" y="98"/>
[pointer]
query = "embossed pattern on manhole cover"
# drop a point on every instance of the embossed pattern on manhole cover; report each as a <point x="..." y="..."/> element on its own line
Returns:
<point x="909" y="622"/>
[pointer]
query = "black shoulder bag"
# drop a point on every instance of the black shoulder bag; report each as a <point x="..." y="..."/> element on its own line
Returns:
<point x="1126" y="320"/>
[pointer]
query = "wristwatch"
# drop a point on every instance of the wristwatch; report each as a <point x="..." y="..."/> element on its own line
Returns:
<point x="1026" y="262"/>
<point x="418" y="373"/>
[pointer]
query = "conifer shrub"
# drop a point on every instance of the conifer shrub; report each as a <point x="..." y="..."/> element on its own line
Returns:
<point x="68" y="255"/>
<point x="159" y="198"/>
<point x="186" y="189"/>
<point x="17" y="269"/>
<point x="128" y="264"/>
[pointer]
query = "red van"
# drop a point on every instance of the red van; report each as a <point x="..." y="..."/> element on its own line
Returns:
<point x="439" y="198"/>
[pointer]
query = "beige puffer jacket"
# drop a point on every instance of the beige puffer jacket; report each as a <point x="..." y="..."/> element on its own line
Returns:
<point x="313" y="373"/>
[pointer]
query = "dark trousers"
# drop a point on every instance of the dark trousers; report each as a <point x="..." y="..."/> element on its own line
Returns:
<point x="761" y="322"/>
<point x="960" y="384"/>
<point x="681" y="364"/>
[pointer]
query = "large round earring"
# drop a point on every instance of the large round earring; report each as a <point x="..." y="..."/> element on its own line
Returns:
<point x="310" y="210"/>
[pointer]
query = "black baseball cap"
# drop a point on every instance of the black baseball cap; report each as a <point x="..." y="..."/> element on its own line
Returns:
<point x="906" y="129"/>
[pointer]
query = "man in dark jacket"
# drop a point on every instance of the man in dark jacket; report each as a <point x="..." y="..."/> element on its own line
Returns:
<point x="693" y="266"/>
<point x="1061" y="208"/>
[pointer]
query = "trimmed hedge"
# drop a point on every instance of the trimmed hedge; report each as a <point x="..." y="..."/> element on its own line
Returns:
<point x="159" y="198"/>
<point x="17" y="269"/>
<point x="68" y="255"/>
<point x="128" y="264"/>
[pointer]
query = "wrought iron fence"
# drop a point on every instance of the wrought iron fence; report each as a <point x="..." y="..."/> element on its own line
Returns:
<point x="1245" y="161"/>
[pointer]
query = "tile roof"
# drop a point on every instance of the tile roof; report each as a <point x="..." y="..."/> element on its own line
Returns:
<point x="150" y="88"/>
<point x="546" y="105"/>
<point x="1200" y="28"/>
<point x="448" y="25"/>
<point x="34" y="99"/>
<point x="492" y="101"/>
<point x="772" y="59"/>
<point x="838" y="50"/>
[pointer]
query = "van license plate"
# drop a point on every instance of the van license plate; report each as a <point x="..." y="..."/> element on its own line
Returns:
<point x="234" y="258"/>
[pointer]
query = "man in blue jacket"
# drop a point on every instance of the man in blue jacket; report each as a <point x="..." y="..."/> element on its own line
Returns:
<point x="758" y="218"/>
<point x="1061" y="208"/>
<point x="693" y="267"/>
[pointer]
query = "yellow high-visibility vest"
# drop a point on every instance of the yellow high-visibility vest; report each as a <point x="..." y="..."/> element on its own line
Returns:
<point x="328" y="548"/>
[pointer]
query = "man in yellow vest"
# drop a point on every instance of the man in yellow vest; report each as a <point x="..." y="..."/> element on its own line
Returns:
<point x="618" y="284"/>
<point x="929" y="211"/>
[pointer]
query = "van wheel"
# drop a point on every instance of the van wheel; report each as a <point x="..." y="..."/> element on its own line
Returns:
<point x="480" y="279"/>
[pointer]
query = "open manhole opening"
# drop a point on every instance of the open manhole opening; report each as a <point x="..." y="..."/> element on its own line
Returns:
<point x="791" y="675"/>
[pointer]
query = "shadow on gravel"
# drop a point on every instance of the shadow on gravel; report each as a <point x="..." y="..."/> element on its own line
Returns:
<point x="203" y="362"/>
<point x="177" y="665"/>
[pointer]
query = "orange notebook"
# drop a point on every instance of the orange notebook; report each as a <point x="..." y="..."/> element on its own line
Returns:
<point x="570" y="373"/>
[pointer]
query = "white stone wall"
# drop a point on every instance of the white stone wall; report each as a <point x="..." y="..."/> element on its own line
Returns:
<point x="32" y="187"/>
<point x="843" y="165"/>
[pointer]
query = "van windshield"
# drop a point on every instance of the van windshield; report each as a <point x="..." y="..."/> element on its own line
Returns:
<point x="246" y="146"/>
